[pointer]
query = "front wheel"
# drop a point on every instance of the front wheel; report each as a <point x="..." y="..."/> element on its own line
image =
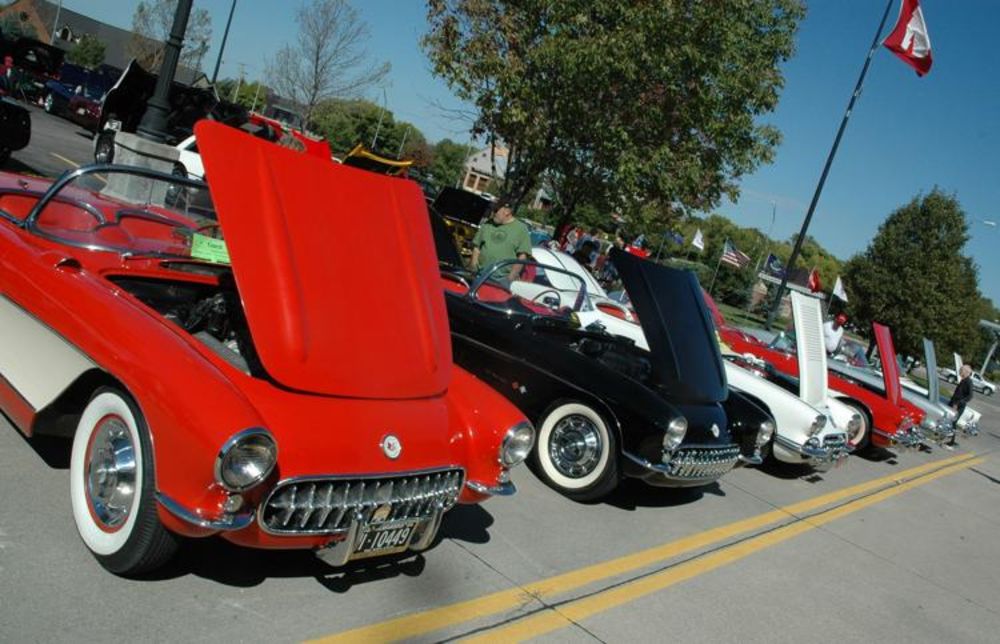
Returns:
<point x="859" y="438"/>
<point x="576" y="454"/>
<point x="112" y="486"/>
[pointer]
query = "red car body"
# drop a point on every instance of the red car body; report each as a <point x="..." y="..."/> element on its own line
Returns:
<point x="355" y="387"/>
<point x="890" y="417"/>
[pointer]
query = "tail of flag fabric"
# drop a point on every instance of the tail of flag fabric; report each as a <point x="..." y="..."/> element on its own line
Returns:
<point x="677" y="238"/>
<point x="773" y="265"/>
<point x="734" y="257"/>
<point x="814" y="283"/>
<point x="698" y="241"/>
<point x="909" y="38"/>
<point x="838" y="290"/>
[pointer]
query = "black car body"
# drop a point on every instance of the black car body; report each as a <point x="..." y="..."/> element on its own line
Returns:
<point x="658" y="416"/>
<point x="15" y="128"/>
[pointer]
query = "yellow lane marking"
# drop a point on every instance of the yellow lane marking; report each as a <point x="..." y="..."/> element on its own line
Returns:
<point x="65" y="160"/>
<point x="575" y="611"/>
<point x="415" y="624"/>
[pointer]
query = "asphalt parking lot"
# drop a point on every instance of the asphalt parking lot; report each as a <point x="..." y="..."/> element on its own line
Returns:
<point x="891" y="547"/>
<point x="898" y="547"/>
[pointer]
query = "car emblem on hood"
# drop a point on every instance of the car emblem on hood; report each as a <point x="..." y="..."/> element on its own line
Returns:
<point x="715" y="430"/>
<point x="391" y="446"/>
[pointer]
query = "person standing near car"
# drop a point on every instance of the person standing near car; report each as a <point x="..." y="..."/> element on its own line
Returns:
<point x="961" y="396"/>
<point x="833" y="333"/>
<point x="501" y="237"/>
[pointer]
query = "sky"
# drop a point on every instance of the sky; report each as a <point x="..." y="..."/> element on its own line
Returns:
<point x="906" y="136"/>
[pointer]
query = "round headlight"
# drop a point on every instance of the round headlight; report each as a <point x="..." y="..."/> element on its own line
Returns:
<point x="817" y="425"/>
<point x="517" y="444"/>
<point x="246" y="459"/>
<point x="675" y="433"/>
<point x="765" y="433"/>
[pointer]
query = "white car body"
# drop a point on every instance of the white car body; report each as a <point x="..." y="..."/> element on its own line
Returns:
<point x="804" y="433"/>
<point x="190" y="159"/>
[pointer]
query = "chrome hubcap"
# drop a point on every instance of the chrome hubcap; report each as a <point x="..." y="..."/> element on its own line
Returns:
<point x="111" y="472"/>
<point x="575" y="446"/>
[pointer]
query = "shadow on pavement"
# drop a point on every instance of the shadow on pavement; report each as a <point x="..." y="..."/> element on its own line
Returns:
<point x="877" y="455"/>
<point x="790" y="471"/>
<point x="467" y="523"/>
<point x="633" y="494"/>
<point x="14" y="165"/>
<point x="224" y="563"/>
<point x="53" y="450"/>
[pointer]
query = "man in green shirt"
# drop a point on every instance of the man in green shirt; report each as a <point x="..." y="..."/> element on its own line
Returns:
<point x="502" y="238"/>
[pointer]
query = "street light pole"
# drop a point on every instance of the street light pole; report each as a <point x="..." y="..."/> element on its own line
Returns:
<point x="153" y="125"/>
<point x="222" y="47"/>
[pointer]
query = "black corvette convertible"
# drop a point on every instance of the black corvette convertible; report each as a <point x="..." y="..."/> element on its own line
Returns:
<point x="603" y="408"/>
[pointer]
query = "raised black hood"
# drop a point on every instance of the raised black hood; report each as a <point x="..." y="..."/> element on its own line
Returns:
<point x="682" y="345"/>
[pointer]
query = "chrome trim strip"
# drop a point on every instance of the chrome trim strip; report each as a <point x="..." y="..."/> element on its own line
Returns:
<point x="228" y="522"/>
<point x="507" y="488"/>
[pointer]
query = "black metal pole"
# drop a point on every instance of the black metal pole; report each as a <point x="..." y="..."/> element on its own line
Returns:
<point x="222" y="47"/>
<point x="153" y="125"/>
<point x="826" y="169"/>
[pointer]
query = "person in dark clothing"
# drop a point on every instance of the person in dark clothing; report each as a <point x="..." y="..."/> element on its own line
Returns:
<point x="962" y="395"/>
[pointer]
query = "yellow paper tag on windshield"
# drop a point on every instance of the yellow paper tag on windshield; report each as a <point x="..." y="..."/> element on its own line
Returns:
<point x="209" y="249"/>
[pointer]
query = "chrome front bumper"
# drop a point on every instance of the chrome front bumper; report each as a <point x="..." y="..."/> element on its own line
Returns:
<point x="821" y="456"/>
<point x="687" y="466"/>
<point x="942" y="431"/>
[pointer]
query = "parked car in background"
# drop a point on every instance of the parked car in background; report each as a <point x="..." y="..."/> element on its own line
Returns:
<point x="15" y="128"/>
<point x="981" y="385"/>
<point x="204" y="369"/>
<point x="86" y="86"/>
<point x="35" y="64"/>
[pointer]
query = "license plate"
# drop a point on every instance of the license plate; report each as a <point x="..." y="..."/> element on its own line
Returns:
<point x="384" y="539"/>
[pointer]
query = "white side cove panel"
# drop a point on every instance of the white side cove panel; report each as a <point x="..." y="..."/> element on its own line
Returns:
<point x="810" y="347"/>
<point x="930" y="362"/>
<point x="34" y="359"/>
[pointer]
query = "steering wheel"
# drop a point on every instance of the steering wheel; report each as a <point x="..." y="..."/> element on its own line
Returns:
<point x="538" y="297"/>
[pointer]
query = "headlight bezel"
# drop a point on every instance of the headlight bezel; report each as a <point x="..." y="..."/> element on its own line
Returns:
<point x="675" y="433"/>
<point x="509" y="458"/>
<point x="240" y="440"/>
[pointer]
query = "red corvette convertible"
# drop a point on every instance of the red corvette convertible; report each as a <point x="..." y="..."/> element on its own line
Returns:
<point x="230" y="385"/>
<point x="887" y="419"/>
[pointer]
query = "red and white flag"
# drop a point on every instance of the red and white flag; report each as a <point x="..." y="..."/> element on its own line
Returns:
<point x="909" y="39"/>
<point x="813" y="283"/>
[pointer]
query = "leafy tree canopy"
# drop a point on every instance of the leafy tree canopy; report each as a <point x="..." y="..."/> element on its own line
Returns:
<point x="345" y="123"/>
<point x="151" y="25"/>
<point x="915" y="278"/>
<point x="249" y="95"/>
<point x="448" y="161"/>
<point x="89" y="52"/>
<point x="619" y="103"/>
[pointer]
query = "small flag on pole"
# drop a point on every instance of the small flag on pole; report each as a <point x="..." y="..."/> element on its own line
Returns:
<point x="838" y="290"/>
<point x="734" y="257"/>
<point x="909" y="38"/>
<point x="677" y="238"/>
<point x="814" y="283"/>
<point x="698" y="241"/>
<point x="773" y="265"/>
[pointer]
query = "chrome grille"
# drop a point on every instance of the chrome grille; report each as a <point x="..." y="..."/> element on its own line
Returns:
<point x="696" y="463"/>
<point x="330" y="505"/>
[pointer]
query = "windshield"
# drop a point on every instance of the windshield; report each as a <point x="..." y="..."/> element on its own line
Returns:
<point x="131" y="211"/>
<point x="850" y="352"/>
<point x="530" y="289"/>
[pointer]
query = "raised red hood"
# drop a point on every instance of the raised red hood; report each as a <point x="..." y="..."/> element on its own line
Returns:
<point x="335" y="267"/>
<point x="890" y="368"/>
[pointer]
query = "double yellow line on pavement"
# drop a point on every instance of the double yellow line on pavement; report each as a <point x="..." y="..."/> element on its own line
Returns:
<point x="420" y="623"/>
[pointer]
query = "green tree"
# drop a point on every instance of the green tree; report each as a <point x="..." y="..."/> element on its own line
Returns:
<point x="249" y="95"/>
<point x="89" y="52"/>
<point x="914" y="278"/>
<point x="448" y="162"/>
<point x="346" y="123"/>
<point x="619" y="103"/>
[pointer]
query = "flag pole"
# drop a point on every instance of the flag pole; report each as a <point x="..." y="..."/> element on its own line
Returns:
<point x="717" y="265"/>
<point x="826" y="169"/>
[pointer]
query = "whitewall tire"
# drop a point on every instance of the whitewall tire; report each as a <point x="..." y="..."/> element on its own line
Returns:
<point x="859" y="439"/>
<point x="576" y="453"/>
<point x="112" y="486"/>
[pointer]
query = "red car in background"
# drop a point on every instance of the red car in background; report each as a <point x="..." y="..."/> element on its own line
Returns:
<point x="887" y="419"/>
<point x="220" y="372"/>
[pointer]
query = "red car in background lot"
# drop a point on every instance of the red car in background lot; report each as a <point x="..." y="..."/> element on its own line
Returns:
<point x="888" y="419"/>
<point x="233" y="386"/>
